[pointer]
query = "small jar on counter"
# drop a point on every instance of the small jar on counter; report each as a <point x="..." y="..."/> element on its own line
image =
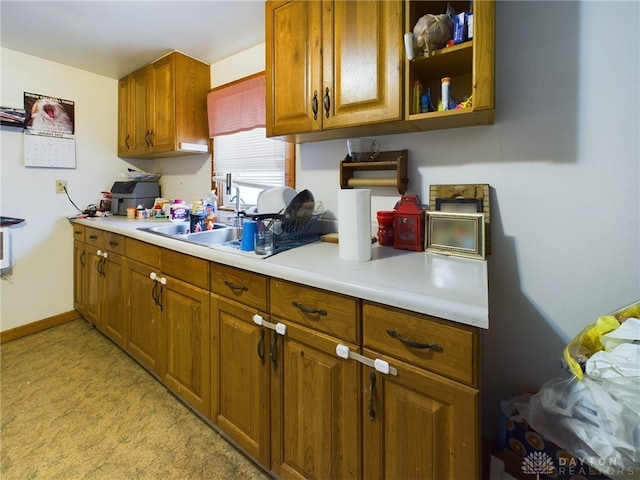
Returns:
<point x="385" y="228"/>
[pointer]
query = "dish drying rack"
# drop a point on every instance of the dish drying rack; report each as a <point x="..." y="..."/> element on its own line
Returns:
<point x="290" y="233"/>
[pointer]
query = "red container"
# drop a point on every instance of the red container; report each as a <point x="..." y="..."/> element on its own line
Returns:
<point x="408" y="224"/>
<point x="385" y="227"/>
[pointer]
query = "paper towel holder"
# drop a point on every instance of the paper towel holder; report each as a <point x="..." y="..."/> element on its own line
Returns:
<point x="391" y="161"/>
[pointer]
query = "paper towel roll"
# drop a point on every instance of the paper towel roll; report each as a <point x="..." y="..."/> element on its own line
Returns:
<point x="354" y="224"/>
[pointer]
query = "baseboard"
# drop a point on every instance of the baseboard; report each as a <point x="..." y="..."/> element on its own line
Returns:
<point x="35" y="327"/>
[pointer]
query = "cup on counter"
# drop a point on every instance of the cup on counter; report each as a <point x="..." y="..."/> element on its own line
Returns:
<point x="264" y="243"/>
<point x="249" y="229"/>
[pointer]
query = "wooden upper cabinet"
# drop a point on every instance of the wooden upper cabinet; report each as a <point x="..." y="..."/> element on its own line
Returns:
<point x="338" y="69"/>
<point x="162" y="109"/>
<point x="293" y="67"/>
<point x="332" y="64"/>
<point x="362" y="62"/>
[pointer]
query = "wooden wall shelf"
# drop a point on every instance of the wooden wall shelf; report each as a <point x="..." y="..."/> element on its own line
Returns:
<point x="392" y="161"/>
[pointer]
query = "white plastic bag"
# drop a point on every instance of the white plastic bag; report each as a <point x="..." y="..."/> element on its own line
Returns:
<point x="596" y="420"/>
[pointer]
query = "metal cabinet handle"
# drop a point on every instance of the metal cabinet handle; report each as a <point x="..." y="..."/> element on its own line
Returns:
<point x="314" y="104"/>
<point x="113" y="243"/>
<point x="273" y="352"/>
<point x="159" y="300"/>
<point x="309" y="310"/>
<point x="146" y="138"/>
<point x="410" y="343"/>
<point x="151" y="138"/>
<point x="327" y="102"/>
<point x="82" y="258"/>
<point x="233" y="286"/>
<point x="261" y="346"/>
<point x="372" y="383"/>
<point x="126" y="142"/>
<point x="154" y="292"/>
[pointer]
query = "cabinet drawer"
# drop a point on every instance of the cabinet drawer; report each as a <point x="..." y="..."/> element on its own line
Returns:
<point x="189" y="269"/>
<point x="114" y="242"/>
<point x="240" y="285"/>
<point x="143" y="252"/>
<point x="455" y="352"/>
<point x="327" y="312"/>
<point x="94" y="237"/>
<point x="78" y="232"/>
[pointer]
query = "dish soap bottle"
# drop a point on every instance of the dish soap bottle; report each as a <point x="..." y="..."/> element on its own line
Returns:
<point x="211" y="210"/>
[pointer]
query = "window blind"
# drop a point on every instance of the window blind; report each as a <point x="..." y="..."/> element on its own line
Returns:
<point x="250" y="157"/>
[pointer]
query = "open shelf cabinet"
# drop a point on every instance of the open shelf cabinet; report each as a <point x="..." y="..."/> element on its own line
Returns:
<point x="470" y="65"/>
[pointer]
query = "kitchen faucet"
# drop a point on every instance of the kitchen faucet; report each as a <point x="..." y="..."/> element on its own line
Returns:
<point x="229" y="187"/>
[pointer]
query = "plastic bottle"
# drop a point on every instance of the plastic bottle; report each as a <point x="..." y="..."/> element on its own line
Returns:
<point x="178" y="211"/>
<point x="211" y="202"/>
<point x="446" y="81"/>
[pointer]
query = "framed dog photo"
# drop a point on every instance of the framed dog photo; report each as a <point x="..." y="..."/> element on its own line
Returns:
<point x="460" y="234"/>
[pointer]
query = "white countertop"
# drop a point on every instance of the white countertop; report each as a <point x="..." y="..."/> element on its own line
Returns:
<point x="452" y="288"/>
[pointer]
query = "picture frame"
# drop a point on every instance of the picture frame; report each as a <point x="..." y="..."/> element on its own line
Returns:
<point x="458" y="234"/>
<point x="459" y="205"/>
<point x="477" y="191"/>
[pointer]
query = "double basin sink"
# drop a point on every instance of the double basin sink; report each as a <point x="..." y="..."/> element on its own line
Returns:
<point x="221" y="234"/>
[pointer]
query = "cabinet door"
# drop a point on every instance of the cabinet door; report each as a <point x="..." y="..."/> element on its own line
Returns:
<point x="162" y="106"/>
<point x="113" y="306"/>
<point x="362" y="62"/>
<point x="145" y="330"/>
<point x="80" y="268"/>
<point x="139" y="111"/>
<point x="293" y="67"/>
<point x="124" y="117"/>
<point x="315" y="420"/>
<point x="418" y="425"/>
<point x="186" y="369"/>
<point x="94" y="286"/>
<point x="240" y="377"/>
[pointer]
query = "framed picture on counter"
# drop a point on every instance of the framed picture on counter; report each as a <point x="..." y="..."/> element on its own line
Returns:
<point x="459" y="205"/>
<point x="460" y="234"/>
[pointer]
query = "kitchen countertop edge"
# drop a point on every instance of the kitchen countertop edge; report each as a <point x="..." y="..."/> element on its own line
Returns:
<point x="453" y="288"/>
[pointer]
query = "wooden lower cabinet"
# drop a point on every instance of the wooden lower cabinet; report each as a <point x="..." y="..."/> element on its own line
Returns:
<point x="186" y="320"/>
<point x="114" y="317"/>
<point x="314" y="408"/>
<point x="287" y="399"/>
<point x="80" y="269"/>
<point x="93" y="286"/>
<point x="241" y="376"/>
<point x="145" y="332"/>
<point x="418" y="425"/>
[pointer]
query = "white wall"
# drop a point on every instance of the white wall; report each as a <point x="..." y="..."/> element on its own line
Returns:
<point x="41" y="284"/>
<point x="563" y="162"/>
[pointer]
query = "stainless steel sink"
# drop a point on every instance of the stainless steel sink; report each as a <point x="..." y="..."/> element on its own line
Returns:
<point x="217" y="236"/>
<point x="220" y="233"/>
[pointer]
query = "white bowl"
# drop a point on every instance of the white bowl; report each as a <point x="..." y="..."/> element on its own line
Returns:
<point x="274" y="200"/>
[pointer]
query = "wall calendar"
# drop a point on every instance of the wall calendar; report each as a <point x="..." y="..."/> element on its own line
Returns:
<point x="52" y="150"/>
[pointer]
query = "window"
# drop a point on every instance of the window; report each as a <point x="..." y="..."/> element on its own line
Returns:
<point x="240" y="147"/>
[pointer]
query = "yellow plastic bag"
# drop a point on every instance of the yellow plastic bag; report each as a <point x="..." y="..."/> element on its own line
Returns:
<point x="587" y="343"/>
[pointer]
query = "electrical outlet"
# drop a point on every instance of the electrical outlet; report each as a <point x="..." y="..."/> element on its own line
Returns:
<point x="61" y="186"/>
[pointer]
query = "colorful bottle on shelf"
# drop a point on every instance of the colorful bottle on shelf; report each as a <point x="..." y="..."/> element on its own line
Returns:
<point x="446" y="82"/>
